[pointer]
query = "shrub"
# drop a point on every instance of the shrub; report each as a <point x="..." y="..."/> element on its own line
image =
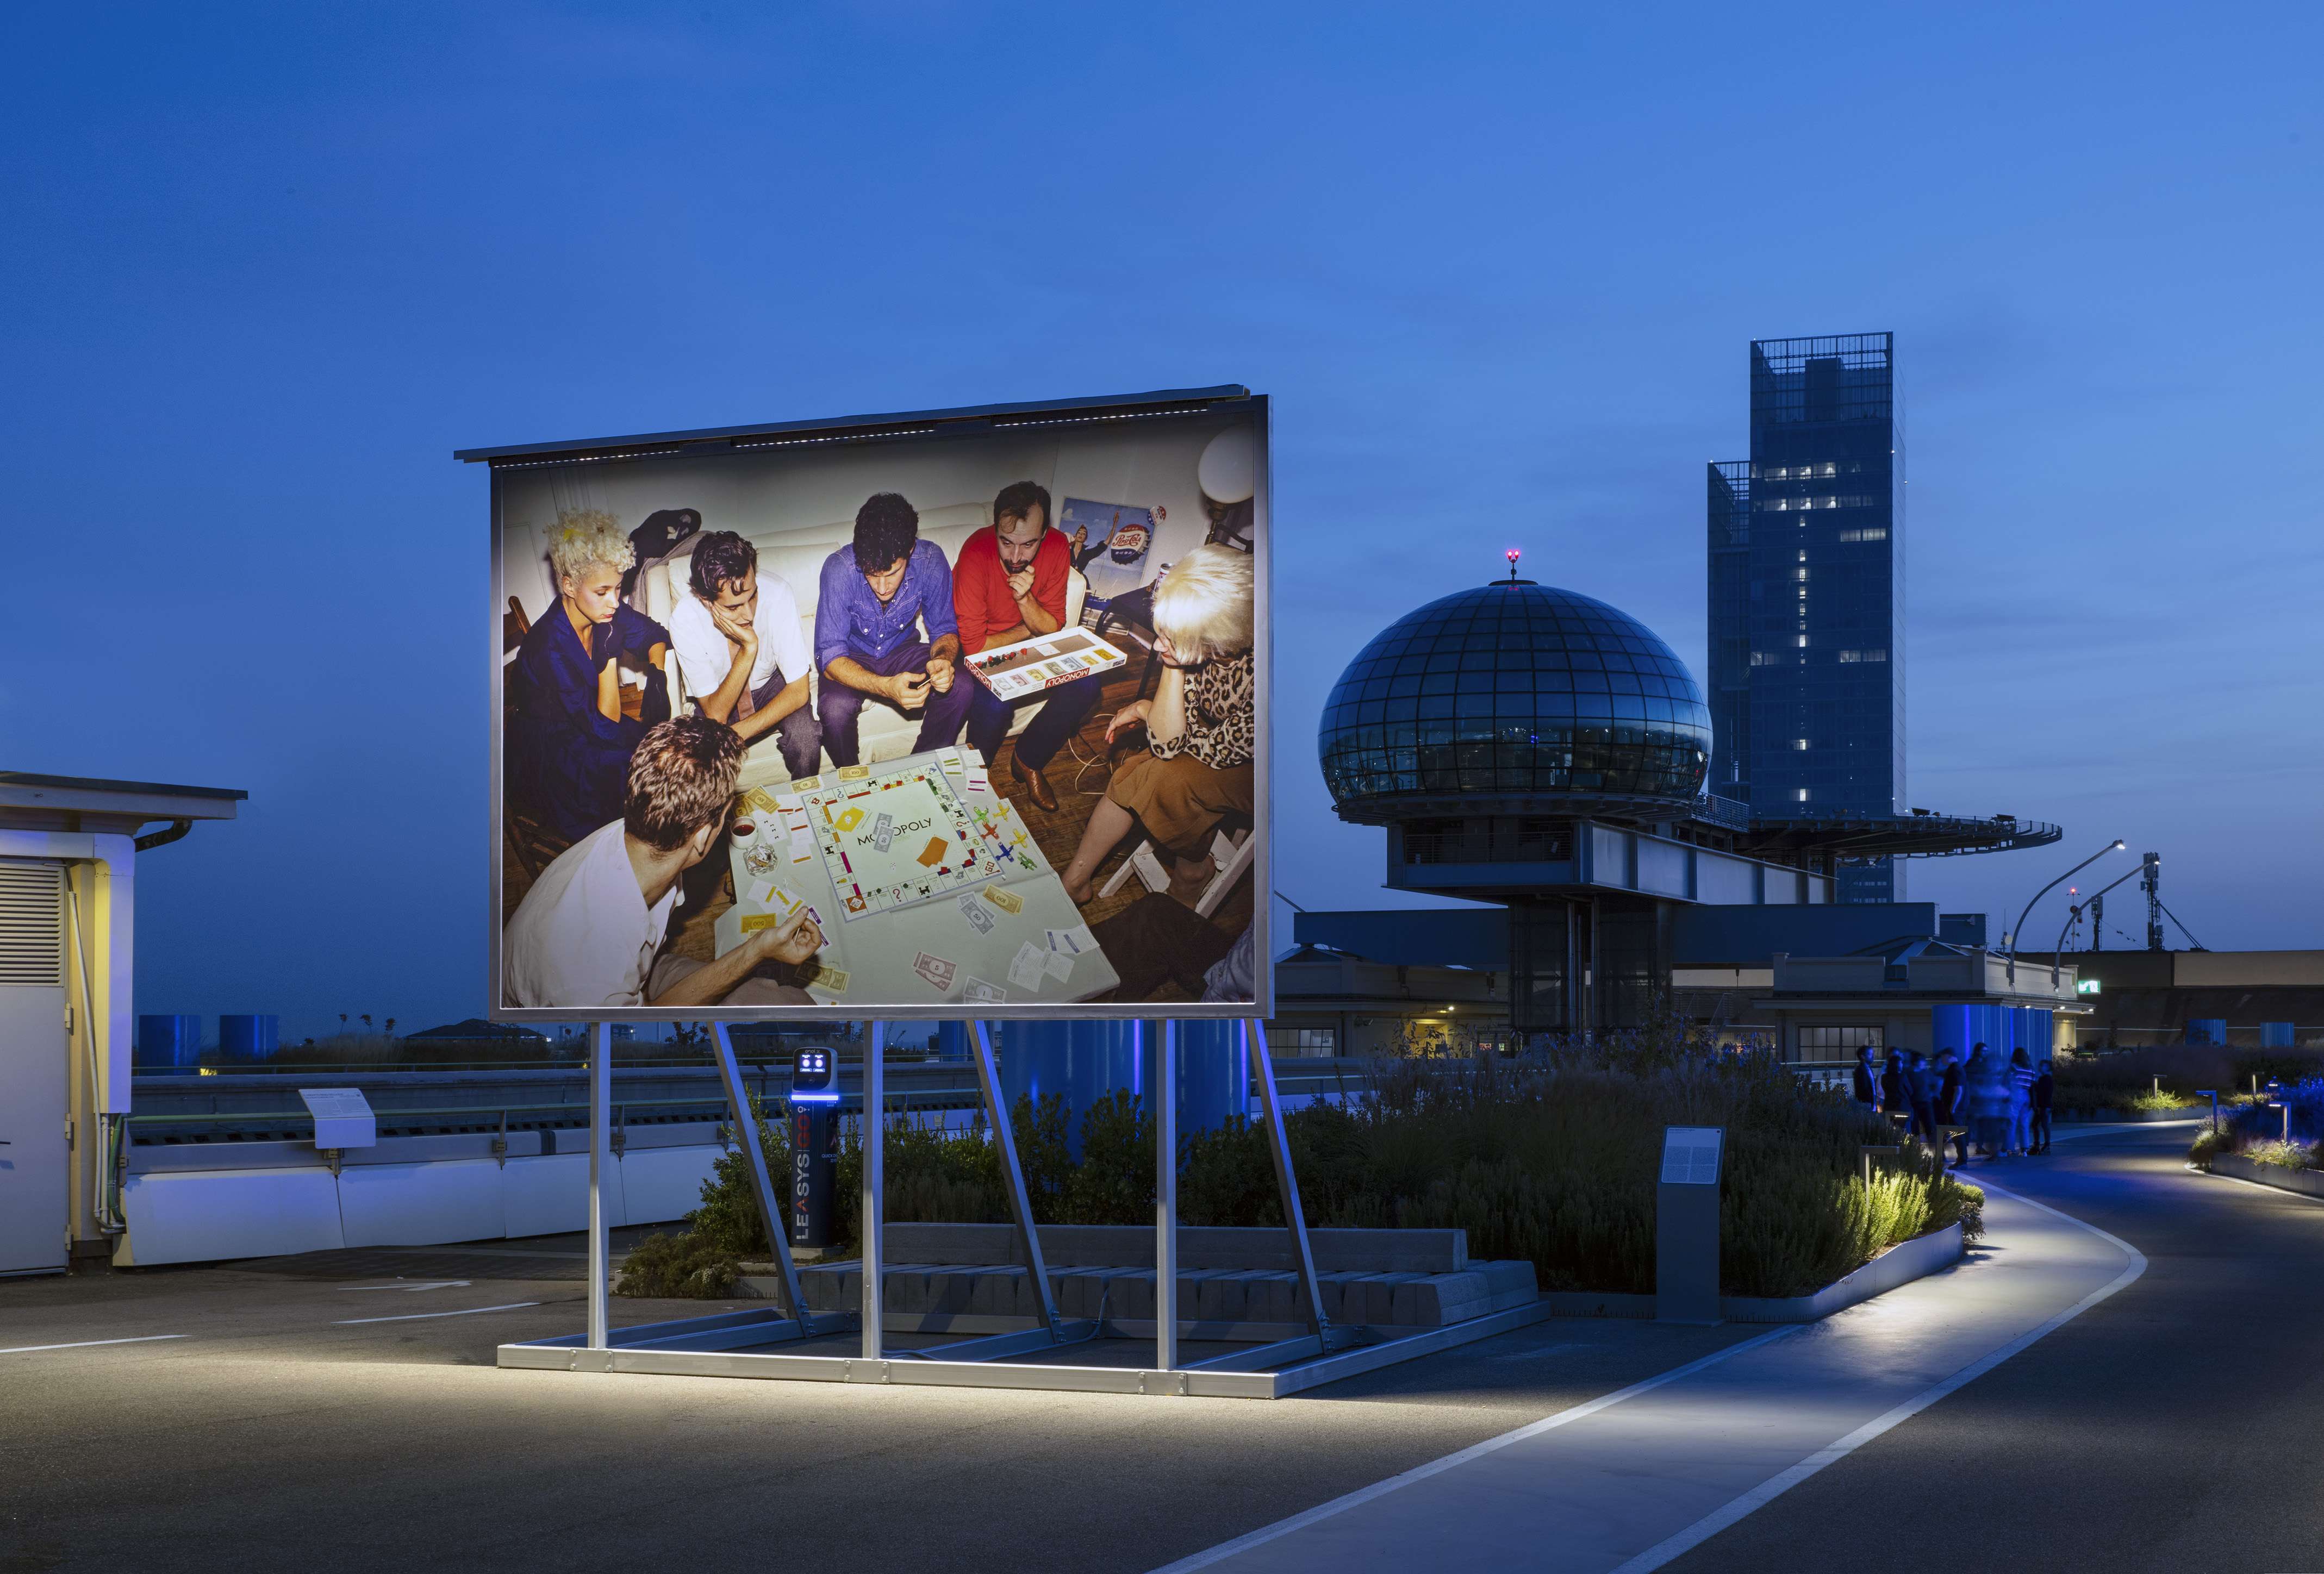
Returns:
<point x="2287" y="1155"/>
<point x="2210" y="1143"/>
<point x="1552" y="1161"/>
<point x="689" y="1266"/>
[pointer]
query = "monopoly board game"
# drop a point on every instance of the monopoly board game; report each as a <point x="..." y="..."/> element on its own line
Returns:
<point x="896" y="837"/>
<point x="1046" y="660"/>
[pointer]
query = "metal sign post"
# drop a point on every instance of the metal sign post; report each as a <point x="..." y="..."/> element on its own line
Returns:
<point x="1686" y="1225"/>
<point x="875" y="1099"/>
<point x="601" y="1170"/>
<point x="1166" y="1196"/>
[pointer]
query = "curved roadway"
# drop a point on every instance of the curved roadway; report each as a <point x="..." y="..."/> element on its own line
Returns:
<point x="305" y="1416"/>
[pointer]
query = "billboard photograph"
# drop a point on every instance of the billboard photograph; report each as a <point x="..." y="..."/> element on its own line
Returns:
<point x="955" y="714"/>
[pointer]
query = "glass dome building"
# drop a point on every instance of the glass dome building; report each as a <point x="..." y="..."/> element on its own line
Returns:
<point x="1516" y="692"/>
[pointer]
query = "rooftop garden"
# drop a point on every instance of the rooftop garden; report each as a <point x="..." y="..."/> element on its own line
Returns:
<point x="1552" y="1158"/>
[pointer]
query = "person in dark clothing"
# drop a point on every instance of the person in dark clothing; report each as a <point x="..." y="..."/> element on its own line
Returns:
<point x="1160" y="941"/>
<point x="571" y="737"/>
<point x="2045" y="1087"/>
<point x="1950" y="1121"/>
<point x="1895" y="1096"/>
<point x="1867" y="1079"/>
<point x="1920" y="1089"/>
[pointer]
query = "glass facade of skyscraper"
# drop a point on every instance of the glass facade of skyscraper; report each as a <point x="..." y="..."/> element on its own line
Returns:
<point x="1806" y="593"/>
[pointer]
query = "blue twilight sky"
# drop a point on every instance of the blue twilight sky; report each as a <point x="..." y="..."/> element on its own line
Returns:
<point x="268" y="266"/>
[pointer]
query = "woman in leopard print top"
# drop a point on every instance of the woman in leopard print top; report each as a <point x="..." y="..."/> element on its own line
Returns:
<point x="1200" y="725"/>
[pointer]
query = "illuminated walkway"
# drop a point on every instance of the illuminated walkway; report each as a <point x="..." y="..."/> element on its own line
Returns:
<point x="1633" y="1480"/>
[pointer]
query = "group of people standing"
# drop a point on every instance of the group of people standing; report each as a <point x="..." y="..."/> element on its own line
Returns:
<point x="2001" y="1105"/>
<point x="639" y="795"/>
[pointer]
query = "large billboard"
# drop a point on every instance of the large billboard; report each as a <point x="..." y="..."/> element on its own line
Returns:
<point x="955" y="713"/>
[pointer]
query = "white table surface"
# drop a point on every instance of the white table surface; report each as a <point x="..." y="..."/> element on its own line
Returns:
<point x="877" y="951"/>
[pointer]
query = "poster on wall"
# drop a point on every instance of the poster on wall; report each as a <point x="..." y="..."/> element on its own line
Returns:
<point x="886" y="717"/>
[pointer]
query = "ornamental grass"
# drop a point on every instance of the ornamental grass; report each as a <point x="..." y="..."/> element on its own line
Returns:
<point x="1550" y="1158"/>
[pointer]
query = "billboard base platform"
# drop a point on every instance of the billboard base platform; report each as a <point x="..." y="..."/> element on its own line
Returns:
<point x="1084" y="1356"/>
<point x="1267" y="1322"/>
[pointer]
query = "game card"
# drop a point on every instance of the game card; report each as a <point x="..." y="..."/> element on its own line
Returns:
<point x="1025" y="970"/>
<point x="1076" y="940"/>
<point x="1059" y="966"/>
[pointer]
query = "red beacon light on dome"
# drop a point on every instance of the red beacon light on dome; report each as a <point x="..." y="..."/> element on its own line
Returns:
<point x="1512" y="555"/>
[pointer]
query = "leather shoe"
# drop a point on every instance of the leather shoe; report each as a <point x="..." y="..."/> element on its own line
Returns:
<point x="1036" y="785"/>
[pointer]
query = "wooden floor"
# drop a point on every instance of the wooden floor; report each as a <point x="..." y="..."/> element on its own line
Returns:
<point x="1078" y="775"/>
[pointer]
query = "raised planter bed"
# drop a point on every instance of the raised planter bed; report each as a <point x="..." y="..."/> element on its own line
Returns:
<point x="1899" y="1264"/>
<point x="2306" y="1182"/>
<point x="973" y="1275"/>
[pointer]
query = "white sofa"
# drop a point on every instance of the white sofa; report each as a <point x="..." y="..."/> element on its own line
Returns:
<point x="797" y="556"/>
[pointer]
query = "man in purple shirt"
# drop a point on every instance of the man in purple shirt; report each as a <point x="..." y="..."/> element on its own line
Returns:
<point x="876" y="595"/>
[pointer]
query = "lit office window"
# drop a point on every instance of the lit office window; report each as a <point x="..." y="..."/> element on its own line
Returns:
<point x="1846" y="1039"/>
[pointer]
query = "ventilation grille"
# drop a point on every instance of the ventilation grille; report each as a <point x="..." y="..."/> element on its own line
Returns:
<point x="32" y="923"/>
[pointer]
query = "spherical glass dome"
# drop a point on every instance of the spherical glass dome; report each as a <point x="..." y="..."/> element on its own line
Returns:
<point x="1513" y="689"/>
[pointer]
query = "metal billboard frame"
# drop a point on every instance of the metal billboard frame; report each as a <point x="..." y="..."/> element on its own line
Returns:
<point x="913" y="427"/>
<point x="1276" y="1360"/>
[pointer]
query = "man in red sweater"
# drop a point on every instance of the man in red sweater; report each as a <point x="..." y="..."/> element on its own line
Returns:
<point x="1009" y="585"/>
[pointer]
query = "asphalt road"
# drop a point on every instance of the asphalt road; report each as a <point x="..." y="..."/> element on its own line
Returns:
<point x="2174" y="1426"/>
<point x="277" y="1436"/>
<point x="2177" y="1427"/>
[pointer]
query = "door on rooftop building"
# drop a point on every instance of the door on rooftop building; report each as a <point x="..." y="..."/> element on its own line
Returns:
<point x="36" y="1162"/>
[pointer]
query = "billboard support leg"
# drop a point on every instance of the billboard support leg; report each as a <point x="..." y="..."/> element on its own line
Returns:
<point x="875" y="1045"/>
<point x="1278" y="1147"/>
<point x="600" y="1166"/>
<point x="1165" y="1198"/>
<point x="754" y="1159"/>
<point x="1012" y="1176"/>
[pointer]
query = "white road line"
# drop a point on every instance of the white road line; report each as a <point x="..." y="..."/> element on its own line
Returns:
<point x="408" y="1284"/>
<point x="1357" y="1499"/>
<point x="416" y="1316"/>
<point x="1710" y="1524"/>
<point x="143" y="1339"/>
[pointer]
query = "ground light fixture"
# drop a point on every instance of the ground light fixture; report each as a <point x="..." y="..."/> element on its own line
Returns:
<point x="2114" y="846"/>
<point x="2213" y="1095"/>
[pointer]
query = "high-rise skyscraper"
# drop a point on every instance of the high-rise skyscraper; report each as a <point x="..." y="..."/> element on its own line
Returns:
<point x="1807" y="595"/>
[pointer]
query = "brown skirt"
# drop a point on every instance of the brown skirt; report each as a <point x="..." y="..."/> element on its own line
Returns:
<point x="1180" y="800"/>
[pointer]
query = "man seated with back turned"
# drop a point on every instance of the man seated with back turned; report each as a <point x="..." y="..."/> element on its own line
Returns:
<point x="1009" y="585"/>
<point x="589" y="931"/>
<point x="739" y="650"/>
<point x="874" y="592"/>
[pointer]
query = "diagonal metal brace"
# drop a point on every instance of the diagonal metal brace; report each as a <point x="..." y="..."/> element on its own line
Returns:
<point x="754" y="1159"/>
<point x="1278" y="1147"/>
<point x="1020" y="1207"/>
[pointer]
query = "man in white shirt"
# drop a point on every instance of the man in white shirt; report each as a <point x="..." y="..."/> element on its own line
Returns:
<point x="589" y="931"/>
<point x="740" y="651"/>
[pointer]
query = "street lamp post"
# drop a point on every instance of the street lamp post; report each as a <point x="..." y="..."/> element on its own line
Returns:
<point x="2112" y="846"/>
<point x="2091" y="902"/>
